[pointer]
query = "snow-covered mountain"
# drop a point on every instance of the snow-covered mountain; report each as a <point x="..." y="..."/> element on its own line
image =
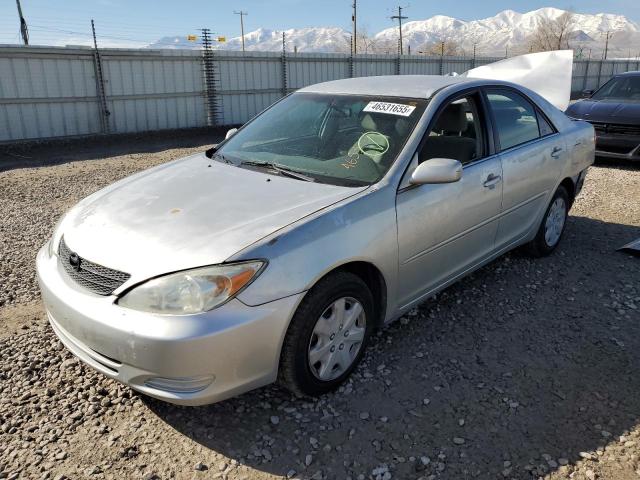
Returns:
<point x="318" y="39"/>
<point x="512" y="30"/>
<point x="506" y="30"/>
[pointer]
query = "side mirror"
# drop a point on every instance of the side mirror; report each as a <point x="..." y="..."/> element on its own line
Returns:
<point x="230" y="133"/>
<point x="587" y="93"/>
<point x="437" y="170"/>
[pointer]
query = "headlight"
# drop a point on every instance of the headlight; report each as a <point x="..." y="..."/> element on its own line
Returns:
<point x="191" y="291"/>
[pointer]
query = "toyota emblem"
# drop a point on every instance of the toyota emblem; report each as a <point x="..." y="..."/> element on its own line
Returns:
<point x="74" y="261"/>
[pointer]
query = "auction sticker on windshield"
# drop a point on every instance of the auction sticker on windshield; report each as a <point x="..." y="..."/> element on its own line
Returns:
<point x="391" y="108"/>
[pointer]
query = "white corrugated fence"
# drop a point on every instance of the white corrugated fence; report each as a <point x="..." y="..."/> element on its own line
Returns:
<point x="50" y="92"/>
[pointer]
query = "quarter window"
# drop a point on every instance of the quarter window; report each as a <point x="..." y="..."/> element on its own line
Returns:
<point x="515" y="118"/>
<point x="545" y="126"/>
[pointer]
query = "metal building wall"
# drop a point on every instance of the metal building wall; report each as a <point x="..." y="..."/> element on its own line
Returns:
<point x="51" y="92"/>
<point x="153" y="90"/>
<point x="373" y="65"/>
<point x="248" y="84"/>
<point x="307" y="68"/>
<point x="592" y="74"/>
<point x="46" y="92"/>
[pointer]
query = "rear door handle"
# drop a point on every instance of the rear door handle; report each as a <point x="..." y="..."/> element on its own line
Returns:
<point x="492" y="180"/>
<point x="555" y="153"/>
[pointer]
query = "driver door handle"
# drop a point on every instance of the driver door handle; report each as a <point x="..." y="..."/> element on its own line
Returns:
<point x="492" y="180"/>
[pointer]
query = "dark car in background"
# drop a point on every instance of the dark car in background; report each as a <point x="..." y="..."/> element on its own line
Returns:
<point x="614" y="112"/>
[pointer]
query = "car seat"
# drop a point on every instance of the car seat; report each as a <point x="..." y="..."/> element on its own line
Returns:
<point x="449" y="141"/>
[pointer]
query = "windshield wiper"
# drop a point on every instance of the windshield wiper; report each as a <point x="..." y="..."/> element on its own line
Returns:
<point x="281" y="169"/>
<point x="221" y="157"/>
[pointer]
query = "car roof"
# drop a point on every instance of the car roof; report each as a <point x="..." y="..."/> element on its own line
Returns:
<point x="412" y="86"/>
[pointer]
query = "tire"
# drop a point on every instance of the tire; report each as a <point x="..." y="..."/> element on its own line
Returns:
<point x="552" y="226"/>
<point x="309" y="335"/>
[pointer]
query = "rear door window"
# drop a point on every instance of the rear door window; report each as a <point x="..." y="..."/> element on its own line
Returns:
<point x="515" y="118"/>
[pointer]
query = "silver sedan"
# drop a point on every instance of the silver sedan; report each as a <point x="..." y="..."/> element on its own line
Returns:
<point x="274" y="255"/>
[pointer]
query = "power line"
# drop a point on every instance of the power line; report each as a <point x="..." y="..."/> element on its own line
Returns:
<point x="84" y="34"/>
<point x="117" y="29"/>
<point x="86" y="14"/>
<point x="399" y="17"/>
<point x="81" y="26"/>
<point x="242" y="14"/>
<point x="119" y="25"/>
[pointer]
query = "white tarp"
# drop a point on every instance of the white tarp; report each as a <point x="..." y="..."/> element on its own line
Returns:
<point x="546" y="73"/>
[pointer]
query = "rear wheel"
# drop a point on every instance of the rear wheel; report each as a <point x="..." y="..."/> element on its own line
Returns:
<point x="552" y="226"/>
<point x="327" y="335"/>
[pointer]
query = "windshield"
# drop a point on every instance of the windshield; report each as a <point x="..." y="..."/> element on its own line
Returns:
<point x="347" y="140"/>
<point x="619" y="88"/>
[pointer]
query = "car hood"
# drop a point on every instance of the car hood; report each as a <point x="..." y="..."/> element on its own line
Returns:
<point x="188" y="213"/>
<point x="606" y="111"/>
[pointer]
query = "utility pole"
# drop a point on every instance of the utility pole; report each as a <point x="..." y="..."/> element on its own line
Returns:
<point x="400" y="18"/>
<point x="354" y="41"/>
<point x="242" y="14"/>
<point x="23" y="25"/>
<point x="606" y="43"/>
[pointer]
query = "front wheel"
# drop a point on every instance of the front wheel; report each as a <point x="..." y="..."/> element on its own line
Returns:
<point x="327" y="335"/>
<point x="552" y="226"/>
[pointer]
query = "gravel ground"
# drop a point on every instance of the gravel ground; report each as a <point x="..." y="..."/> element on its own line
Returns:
<point x="526" y="369"/>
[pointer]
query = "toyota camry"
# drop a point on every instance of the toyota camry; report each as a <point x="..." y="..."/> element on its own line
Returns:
<point x="274" y="255"/>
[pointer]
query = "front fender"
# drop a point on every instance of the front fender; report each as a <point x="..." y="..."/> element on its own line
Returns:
<point x="360" y="229"/>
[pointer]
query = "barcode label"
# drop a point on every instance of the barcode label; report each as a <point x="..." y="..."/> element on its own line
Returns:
<point x="390" y="108"/>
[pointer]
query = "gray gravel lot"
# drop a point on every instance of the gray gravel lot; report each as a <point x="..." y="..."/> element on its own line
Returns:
<point x="526" y="369"/>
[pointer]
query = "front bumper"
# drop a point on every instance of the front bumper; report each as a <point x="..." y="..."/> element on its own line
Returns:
<point x="624" y="147"/>
<point x="187" y="360"/>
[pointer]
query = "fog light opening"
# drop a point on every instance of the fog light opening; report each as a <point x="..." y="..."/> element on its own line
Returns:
<point x="180" y="384"/>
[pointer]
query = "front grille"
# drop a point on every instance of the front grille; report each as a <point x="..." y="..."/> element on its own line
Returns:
<point x="616" y="128"/>
<point x="89" y="275"/>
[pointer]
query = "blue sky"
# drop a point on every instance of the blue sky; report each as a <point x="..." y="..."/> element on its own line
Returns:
<point x="147" y="20"/>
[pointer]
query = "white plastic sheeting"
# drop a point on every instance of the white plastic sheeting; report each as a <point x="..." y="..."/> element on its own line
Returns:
<point x="546" y="73"/>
